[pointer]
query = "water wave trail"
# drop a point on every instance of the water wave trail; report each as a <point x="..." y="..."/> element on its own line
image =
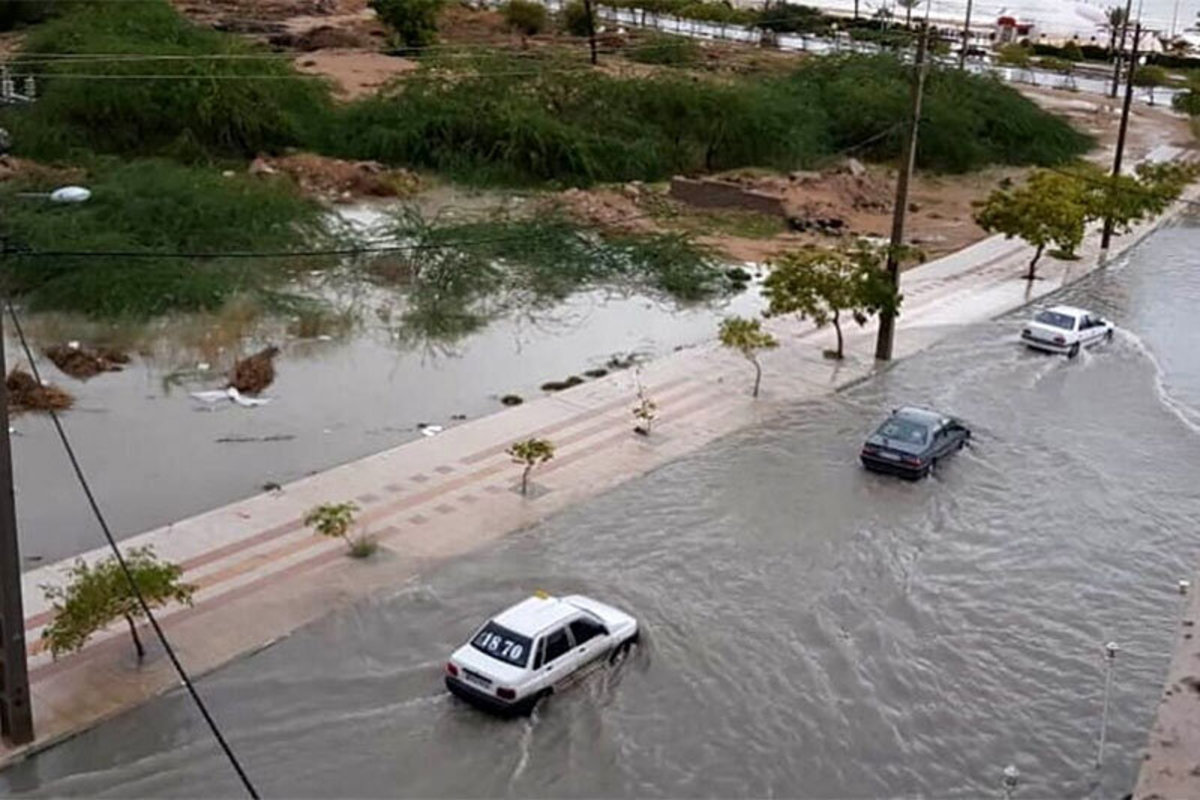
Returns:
<point x="1189" y="416"/>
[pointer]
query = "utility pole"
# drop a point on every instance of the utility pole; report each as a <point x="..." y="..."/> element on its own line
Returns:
<point x="587" y="7"/>
<point x="16" y="714"/>
<point x="966" y="38"/>
<point x="1116" y="82"/>
<point x="1106" y="237"/>
<point x="887" y="320"/>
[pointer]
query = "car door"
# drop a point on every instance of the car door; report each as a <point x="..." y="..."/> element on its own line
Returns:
<point x="591" y="639"/>
<point x="1091" y="329"/>
<point x="553" y="662"/>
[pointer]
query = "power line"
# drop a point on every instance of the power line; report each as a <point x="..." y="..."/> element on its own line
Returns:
<point x="162" y="637"/>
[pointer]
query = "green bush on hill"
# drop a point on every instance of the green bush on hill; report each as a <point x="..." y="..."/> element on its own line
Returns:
<point x="156" y="206"/>
<point x="575" y="127"/>
<point x="209" y="101"/>
<point x="671" y="51"/>
<point x="525" y="16"/>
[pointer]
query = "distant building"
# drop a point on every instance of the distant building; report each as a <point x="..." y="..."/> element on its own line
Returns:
<point x="1009" y="30"/>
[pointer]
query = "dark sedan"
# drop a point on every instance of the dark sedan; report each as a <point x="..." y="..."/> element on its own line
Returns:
<point x="911" y="442"/>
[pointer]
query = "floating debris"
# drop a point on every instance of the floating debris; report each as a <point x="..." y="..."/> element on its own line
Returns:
<point x="511" y="400"/>
<point x="26" y="394"/>
<point x="254" y="373"/>
<point x="83" y="362"/>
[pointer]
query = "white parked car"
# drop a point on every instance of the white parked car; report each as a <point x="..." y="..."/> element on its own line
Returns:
<point x="1064" y="329"/>
<point x="527" y="651"/>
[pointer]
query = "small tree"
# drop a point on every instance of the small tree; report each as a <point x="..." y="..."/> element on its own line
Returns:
<point x="526" y="17"/>
<point x="1150" y="76"/>
<point x="336" y="520"/>
<point x="99" y="594"/>
<point x="576" y="19"/>
<point x="414" y="22"/>
<point x="1071" y="51"/>
<point x="1114" y="20"/>
<point x="529" y="454"/>
<point x="1063" y="67"/>
<point x="747" y="337"/>
<point x="821" y="284"/>
<point x="1049" y="209"/>
<point x="644" y="412"/>
<point x="1017" y="56"/>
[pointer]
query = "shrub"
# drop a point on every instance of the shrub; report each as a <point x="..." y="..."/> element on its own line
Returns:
<point x="673" y="51"/>
<point x="225" y="109"/>
<point x="525" y="16"/>
<point x="414" y="22"/>
<point x="576" y="20"/>
<point x="159" y="206"/>
<point x="1187" y="102"/>
<point x="789" y="18"/>
<point x="1071" y="51"/>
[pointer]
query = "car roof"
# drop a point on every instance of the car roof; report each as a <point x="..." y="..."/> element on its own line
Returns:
<point x="923" y="415"/>
<point x="1069" y="310"/>
<point x="535" y="614"/>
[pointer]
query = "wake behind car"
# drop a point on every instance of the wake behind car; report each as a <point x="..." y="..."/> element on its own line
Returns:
<point x="1065" y="329"/>
<point x="526" y="652"/>
<point x="911" y="441"/>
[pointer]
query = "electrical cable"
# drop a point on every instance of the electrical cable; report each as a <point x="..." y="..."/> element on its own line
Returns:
<point x="162" y="637"/>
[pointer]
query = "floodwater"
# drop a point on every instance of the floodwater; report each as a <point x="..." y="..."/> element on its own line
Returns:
<point x="811" y="630"/>
<point x="155" y="455"/>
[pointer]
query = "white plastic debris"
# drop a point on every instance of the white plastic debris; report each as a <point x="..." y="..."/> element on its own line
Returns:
<point x="432" y="430"/>
<point x="203" y="366"/>
<point x="73" y="345"/>
<point x="211" y="397"/>
<point x="70" y="194"/>
<point x="232" y="394"/>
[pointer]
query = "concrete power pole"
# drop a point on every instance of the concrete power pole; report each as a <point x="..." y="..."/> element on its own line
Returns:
<point x="887" y="320"/>
<point x="16" y="714"/>
<point x="966" y="38"/>
<point x="1116" y="81"/>
<point x="1106" y="237"/>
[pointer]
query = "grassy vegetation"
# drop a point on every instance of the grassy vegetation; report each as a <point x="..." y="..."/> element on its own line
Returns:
<point x="213" y="103"/>
<point x="670" y="51"/>
<point x="526" y="126"/>
<point x="158" y="206"/>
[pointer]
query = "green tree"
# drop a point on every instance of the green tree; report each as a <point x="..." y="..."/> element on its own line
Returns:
<point x="96" y="595"/>
<point x="1071" y="51"/>
<point x="529" y="454"/>
<point x="822" y="284"/>
<point x="336" y="520"/>
<point x="1016" y="56"/>
<point x="1114" y="22"/>
<point x="1049" y="209"/>
<point x="414" y="22"/>
<point x="526" y="17"/>
<point x="1129" y="199"/>
<point x="1150" y="76"/>
<point x="748" y="338"/>
<point x="1063" y="67"/>
<point x="576" y="19"/>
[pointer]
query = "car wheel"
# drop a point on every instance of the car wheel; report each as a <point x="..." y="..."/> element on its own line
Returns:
<point x="537" y="701"/>
<point x="1074" y="351"/>
<point x="620" y="651"/>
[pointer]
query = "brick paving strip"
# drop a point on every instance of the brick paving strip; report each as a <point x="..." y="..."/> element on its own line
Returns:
<point x="261" y="575"/>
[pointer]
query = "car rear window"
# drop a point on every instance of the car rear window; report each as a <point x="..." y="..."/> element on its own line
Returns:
<point x="1056" y="320"/>
<point x="502" y="644"/>
<point x="904" y="430"/>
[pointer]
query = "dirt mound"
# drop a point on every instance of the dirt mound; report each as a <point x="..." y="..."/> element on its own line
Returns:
<point x="254" y="373"/>
<point x="611" y="209"/>
<point x="26" y="394"/>
<point x="13" y="167"/>
<point x="83" y="363"/>
<point x="336" y="179"/>
<point x="324" y="37"/>
<point x="355" y="73"/>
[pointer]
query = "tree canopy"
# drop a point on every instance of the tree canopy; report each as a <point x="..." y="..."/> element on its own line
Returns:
<point x="748" y="338"/>
<point x="97" y="595"/>
<point x="821" y="284"/>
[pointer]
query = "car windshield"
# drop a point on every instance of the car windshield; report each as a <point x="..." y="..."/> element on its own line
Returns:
<point x="502" y="644"/>
<point x="1056" y="320"/>
<point x="904" y="430"/>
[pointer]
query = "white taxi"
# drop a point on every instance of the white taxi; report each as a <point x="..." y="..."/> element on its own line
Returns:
<point x="1065" y="329"/>
<point x="524" y="653"/>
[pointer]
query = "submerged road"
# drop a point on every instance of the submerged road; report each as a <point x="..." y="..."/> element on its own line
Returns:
<point x="811" y="630"/>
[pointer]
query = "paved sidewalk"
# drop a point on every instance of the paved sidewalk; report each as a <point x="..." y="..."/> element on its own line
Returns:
<point x="261" y="574"/>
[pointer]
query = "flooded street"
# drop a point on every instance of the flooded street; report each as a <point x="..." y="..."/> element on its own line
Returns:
<point x="811" y="630"/>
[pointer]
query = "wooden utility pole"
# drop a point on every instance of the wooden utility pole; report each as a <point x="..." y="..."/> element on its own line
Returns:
<point x="966" y="38"/>
<point x="887" y="320"/>
<point x="1106" y="237"/>
<point x="1116" y="81"/>
<point x="16" y="714"/>
<point x="591" y="20"/>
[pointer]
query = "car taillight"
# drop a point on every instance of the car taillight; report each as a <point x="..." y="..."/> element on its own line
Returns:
<point x="1060" y="340"/>
<point x="506" y="694"/>
<point x="870" y="448"/>
<point x="913" y="460"/>
<point x="453" y="670"/>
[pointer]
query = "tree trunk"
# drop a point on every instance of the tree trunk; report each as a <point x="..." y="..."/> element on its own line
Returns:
<point x="1033" y="264"/>
<point x="908" y="17"/>
<point x="757" y="374"/>
<point x="525" y="479"/>
<point x="856" y="9"/>
<point x="1112" y="43"/>
<point x="137" y="642"/>
<point x="837" y="326"/>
